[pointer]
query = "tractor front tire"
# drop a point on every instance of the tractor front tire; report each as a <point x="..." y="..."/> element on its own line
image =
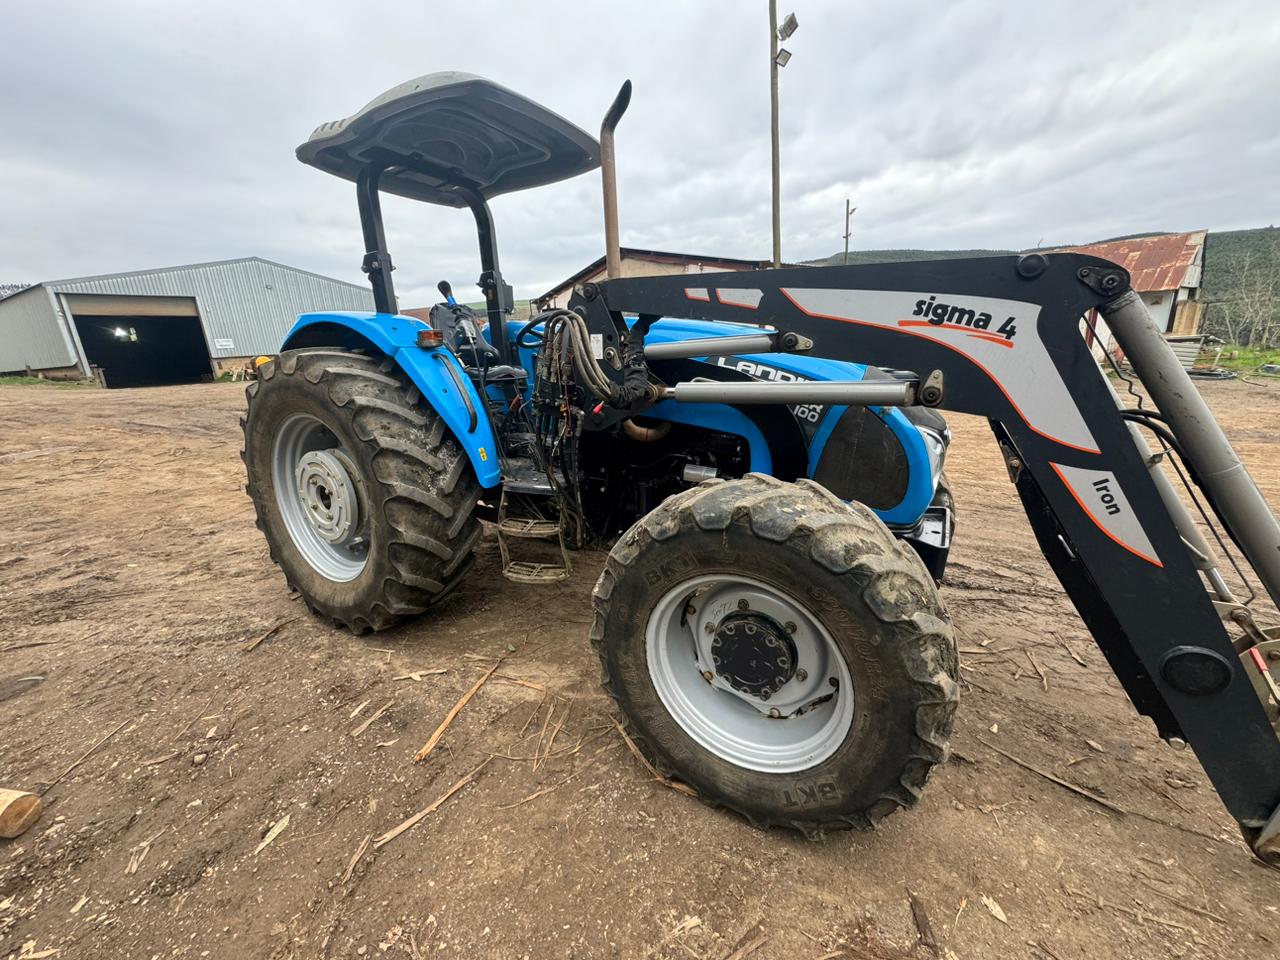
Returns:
<point x="364" y="495"/>
<point x="805" y="565"/>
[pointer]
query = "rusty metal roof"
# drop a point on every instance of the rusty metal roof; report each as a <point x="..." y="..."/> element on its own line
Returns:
<point x="1164" y="262"/>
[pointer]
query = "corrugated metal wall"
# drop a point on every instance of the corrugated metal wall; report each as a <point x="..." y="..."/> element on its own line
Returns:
<point x="246" y="306"/>
<point x="31" y="334"/>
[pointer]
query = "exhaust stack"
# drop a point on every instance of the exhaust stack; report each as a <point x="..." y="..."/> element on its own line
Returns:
<point x="609" y="179"/>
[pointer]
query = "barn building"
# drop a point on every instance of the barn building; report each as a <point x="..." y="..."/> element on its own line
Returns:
<point x="646" y="263"/>
<point x="171" y="325"/>
<point x="1166" y="271"/>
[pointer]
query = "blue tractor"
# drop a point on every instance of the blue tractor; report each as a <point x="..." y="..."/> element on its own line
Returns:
<point x="767" y="619"/>
<point x="747" y="655"/>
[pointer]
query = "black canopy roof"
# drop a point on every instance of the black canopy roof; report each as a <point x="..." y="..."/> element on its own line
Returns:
<point x="453" y="129"/>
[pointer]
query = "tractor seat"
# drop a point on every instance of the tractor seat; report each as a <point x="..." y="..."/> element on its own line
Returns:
<point x="502" y="372"/>
<point x="499" y="374"/>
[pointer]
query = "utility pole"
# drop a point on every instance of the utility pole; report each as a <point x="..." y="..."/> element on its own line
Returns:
<point x="773" y="123"/>
<point x="848" y="219"/>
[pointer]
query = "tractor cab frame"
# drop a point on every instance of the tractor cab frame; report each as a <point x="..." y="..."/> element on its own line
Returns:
<point x="456" y="140"/>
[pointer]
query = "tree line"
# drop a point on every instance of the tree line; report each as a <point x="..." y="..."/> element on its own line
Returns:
<point x="1241" y="288"/>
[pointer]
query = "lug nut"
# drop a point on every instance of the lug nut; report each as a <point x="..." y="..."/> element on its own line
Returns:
<point x="743" y="605"/>
<point x="775" y="714"/>
<point x="690" y="610"/>
<point x="802" y="675"/>
<point x="790" y="627"/>
<point x="707" y="675"/>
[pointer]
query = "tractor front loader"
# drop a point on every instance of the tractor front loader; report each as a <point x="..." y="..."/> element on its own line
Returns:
<point x="767" y="619"/>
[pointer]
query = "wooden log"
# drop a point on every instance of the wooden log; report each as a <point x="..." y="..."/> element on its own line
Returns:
<point x="18" y="811"/>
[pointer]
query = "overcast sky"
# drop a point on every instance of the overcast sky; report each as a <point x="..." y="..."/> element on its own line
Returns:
<point x="145" y="134"/>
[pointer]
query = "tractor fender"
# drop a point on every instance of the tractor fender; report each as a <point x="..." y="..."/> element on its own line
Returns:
<point x="921" y="482"/>
<point x="434" y="371"/>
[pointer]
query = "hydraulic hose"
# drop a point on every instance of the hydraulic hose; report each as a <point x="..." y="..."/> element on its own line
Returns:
<point x="567" y="346"/>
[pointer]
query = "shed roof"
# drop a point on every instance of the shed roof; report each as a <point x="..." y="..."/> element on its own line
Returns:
<point x="193" y="266"/>
<point x="660" y="256"/>
<point x="246" y="305"/>
<point x="1163" y="262"/>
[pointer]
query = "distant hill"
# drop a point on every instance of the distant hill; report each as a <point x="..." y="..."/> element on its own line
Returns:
<point x="858" y="257"/>
<point x="1241" y="279"/>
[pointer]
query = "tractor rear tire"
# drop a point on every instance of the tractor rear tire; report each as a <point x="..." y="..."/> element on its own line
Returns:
<point x="842" y="570"/>
<point x="407" y="483"/>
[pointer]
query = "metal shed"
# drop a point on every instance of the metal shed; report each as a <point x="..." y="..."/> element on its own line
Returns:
<point x="169" y="325"/>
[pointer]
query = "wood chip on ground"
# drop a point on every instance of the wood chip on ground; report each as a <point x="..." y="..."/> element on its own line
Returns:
<point x="271" y="632"/>
<point x="675" y="785"/>
<point x="451" y="715"/>
<point x="274" y="832"/>
<point x="84" y="756"/>
<point x="426" y="811"/>
<point x="372" y="719"/>
<point x="360" y="851"/>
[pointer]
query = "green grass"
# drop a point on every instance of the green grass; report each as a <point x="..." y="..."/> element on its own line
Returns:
<point x="38" y="382"/>
<point x="1243" y="360"/>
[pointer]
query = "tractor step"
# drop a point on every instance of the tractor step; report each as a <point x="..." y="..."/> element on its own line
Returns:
<point x="529" y="529"/>
<point x="522" y="475"/>
<point x="525" y="571"/>
<point x="527" y="517"/>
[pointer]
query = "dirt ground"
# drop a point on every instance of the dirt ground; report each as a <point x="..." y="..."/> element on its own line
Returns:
<point x="133" y="583"/>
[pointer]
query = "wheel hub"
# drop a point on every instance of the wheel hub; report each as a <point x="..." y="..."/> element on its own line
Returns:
<point x="317" y="491"/>
<point x="327" y="494"/>
<point x="753" y="654"/>
<point x="776" y="698"/>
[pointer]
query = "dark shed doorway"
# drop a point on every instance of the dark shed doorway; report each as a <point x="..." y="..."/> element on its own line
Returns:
<point x="145" y="351"/>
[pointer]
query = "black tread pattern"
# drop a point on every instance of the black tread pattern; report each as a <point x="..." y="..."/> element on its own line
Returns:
<point x="847" y="539"/>
<point x="422" y="482"/>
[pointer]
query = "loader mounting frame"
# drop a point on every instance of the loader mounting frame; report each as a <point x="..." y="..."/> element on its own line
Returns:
<point x="1001" y="338"/>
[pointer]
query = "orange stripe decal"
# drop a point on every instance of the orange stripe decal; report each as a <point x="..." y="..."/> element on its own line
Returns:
<point x="1089" y="513"/>
<point x="976" y="334"/>
<point x="950" y="346"/>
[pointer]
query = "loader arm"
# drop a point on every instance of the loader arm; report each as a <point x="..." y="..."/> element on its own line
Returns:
<point x="1001" y="338"/>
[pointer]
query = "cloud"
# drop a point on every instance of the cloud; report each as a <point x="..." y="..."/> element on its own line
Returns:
<point x="140" y="134"/>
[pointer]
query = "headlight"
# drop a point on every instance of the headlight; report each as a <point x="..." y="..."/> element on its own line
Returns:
<point x="937" y="449"/>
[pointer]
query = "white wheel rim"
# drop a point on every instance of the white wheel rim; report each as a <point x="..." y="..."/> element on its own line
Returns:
<point x="813" y="714"/>
<point x="318" y="500"/>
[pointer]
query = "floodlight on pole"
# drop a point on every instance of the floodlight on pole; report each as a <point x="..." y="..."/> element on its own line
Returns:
<point x="778" y="57"/>
<point x="849" y="211"/>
